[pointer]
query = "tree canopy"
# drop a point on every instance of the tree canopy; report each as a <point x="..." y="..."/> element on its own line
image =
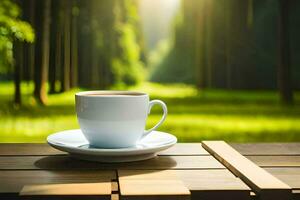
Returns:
<point x="11" y="28"/>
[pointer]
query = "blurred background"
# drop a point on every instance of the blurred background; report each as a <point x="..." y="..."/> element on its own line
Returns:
<point x="227" y="69"/>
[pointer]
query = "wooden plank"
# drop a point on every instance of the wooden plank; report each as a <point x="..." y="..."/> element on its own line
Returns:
<point x="290" y="176"/>
<point x="146" y="184"/>
<point x="185" y="149"/>
<point x="214" y="184"/>
<point x="26" y="149"/>
<point x="296" y="194"/>
<point x="276" y="161"/>
<point x="263" y="183"/>
<point x="114" y="186"/>
<point x="67" y="162"/>
<point x="84" y="190"/>
<point x="12" y="181"/>
<point x="203" y="184"/>
<point x="43" y="149"/>
<point x="267" y="149"/>
<point x="115" y="197"/>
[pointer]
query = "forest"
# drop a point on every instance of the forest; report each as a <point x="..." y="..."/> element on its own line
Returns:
<point x="234" y="44"/>
<point x="217" y="54"/>
<point x="74" y="43"/>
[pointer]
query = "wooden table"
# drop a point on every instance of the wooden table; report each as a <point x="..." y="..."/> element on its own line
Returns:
<point x="211" y="170"/>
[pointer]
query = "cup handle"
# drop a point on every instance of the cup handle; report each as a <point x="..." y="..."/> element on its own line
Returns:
<point x="164" y="107"/>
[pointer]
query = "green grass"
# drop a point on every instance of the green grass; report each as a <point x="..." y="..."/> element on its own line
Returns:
<point x="235" y="116"/>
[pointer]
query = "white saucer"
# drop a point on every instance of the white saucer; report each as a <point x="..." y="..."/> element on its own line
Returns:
<point x="74" y="143"/>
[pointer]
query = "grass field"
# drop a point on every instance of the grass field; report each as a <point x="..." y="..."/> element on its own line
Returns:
<point x="236" y="116"/>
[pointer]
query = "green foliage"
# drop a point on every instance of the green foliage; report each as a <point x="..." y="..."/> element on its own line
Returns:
<point x="126" y="64"/>
<point x="115" y="34"/>
<point x="127" y="68"/>
<point x="214" y="44"/>
<point x="234" y="116"/>
<point x="171" y="65"/>
<point x="173" y="60"/>
<point x="11" y="28"/>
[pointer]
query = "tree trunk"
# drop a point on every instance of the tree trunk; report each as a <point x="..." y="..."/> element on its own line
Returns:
<point x="53" y="47"/>
<point x="74" y="48"/>
<point x="41" y="79"/>
<point x="18" y="62"/>
<point x="59" y="44"/>
<point x="200" y="51"/>
<point x="25" y="6"/>
<point x="94" y="54"/>
<point x="284" y="70"/>
<point x="228" y="43"/>
<point x="67" y="45"/>
<point x="37" y="51"/>
<point x="250" y="14"/>
<point x="31" y="46"/>
<point x="84" y="44"/>
<point x="27" y="48"/>
<point x="208" y="42"/>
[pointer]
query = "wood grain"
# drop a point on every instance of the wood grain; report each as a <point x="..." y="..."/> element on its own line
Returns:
<point x="114" y="186"/>
<point x="36" y="165"/>
<point x="70" y="189"/>
<point x="276" y="161"/>
<point x="143" y="184"/>
<point x="263" y="183"/>
<point x="26" y="149"/>
<point x="43" y="149"/>
<point x="203" y="184"/>
<point x="185" y="149"/>
<point x="66" y="162"/>
<point x="214" y="179"/>
<point x="12" y="181"/>
<point x="267" y="149"/>
<point x="115" y="197"/>
<point x="214" y="184"/>
<point x="290" y="175"/>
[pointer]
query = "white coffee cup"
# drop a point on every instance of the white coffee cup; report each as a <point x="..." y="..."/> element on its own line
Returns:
<point x="115" y="119"/>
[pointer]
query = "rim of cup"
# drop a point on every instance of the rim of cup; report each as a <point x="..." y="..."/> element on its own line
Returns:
<point x="111" y="93"/>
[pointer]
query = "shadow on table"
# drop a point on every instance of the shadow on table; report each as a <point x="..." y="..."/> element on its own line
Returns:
<point x="66" y="162"/>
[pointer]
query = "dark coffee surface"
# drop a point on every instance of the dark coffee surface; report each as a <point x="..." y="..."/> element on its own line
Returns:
<point x="114" y="94"/>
